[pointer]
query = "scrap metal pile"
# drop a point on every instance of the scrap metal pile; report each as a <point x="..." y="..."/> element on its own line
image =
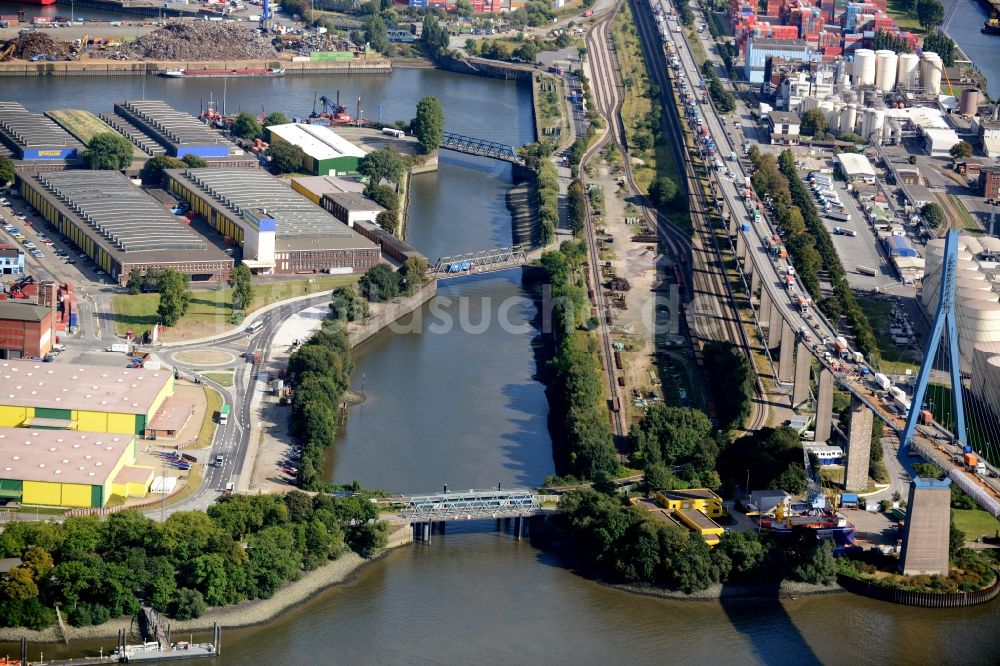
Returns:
<point x="201" y="40"/>
<point x="36" y="46"/>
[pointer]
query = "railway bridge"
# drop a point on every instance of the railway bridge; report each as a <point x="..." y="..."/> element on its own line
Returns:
<point x="483" y="261"/>
<point x="423" y="512"/>
<point x="481" y="147"/>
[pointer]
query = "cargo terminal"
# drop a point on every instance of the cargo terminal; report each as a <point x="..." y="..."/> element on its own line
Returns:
<point x="72" y="469"/>
<point x="279" y="230"/>
<point x="120" y="226"/>
<point x="180" y="133"/>
<point x="33" y="136"/>
<point x="61" y="396"/>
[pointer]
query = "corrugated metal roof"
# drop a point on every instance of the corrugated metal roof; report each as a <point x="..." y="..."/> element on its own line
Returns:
<point x="33" y="130"/>
<point x="175" y="126"/>
<point x="317" y="141"/>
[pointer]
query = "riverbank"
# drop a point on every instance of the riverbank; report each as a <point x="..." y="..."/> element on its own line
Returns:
<point x="246" y="614"/>
<point x="360" y="67"/>
<point x="787" y="589"/>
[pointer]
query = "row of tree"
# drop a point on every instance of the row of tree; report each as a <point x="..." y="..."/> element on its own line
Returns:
<point x="624" y="543"/>
<point x="723" y="99"/>
<point x="731" y="379"/>
<point x="547" y="198"/>
<point x="243" y="548"/>
<point x="677" y="447"/>
<point x="583" y="446"/>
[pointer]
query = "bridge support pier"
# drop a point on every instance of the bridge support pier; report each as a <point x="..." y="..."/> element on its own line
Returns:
<point x="803" y="366"/>
<point x="741" y="247"/>
<point x="859" y="446"/>
<point x="774" y="325"/>
<point x="754" y="280"/>
<point x="764" y="314"/>
<point x="518" y="520"/>
<point x="734" y="226"/>
<point x="824" y="407"/>
<point x="786" y="364"/>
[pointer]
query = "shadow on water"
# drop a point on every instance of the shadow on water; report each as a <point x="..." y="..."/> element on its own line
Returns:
<point x="768" y="627"/>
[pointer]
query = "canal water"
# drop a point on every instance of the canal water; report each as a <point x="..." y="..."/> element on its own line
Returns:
<point x="461" y="407"/>
<point x="964" y="27"/>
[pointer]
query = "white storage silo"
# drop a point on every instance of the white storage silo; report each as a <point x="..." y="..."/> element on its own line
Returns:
<point x="931" y="69"/>
<point x="873" y="123"/>
<point x="864" y="67"/>
<point x="886" y="64"/>
<point x="834" y="117"/>
<point x="848" y="118"/>
<point x="907" y="71"/>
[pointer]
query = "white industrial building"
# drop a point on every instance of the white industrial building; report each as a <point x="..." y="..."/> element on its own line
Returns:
<point x="938" y="142"/>
<point x="855" y="168"/>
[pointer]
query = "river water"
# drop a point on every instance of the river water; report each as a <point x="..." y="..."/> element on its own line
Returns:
<point x="964" y="27"/>
<point x="462" y="408"/>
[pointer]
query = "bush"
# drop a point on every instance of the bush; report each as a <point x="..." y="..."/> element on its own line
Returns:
<point x="187" y="605"/>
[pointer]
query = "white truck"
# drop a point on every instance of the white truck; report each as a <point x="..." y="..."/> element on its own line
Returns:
<point x="882" y="381"/>
<point x="119" y="347"/>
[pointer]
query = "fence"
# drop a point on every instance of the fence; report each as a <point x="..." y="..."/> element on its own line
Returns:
<point x="915" y="598"/>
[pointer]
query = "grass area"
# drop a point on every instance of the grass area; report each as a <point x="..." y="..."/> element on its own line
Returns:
<point x="975" y="523"/>
<point x="978" y="418"/>
<point x="221" y="378"/>
<point x="84" y="125"/>
<point x="213" y="401"/>
<point x="895" y="9"/>
<point x="193" y="482"/>
<point x="550" y="115"/>
<point x="894" y="359"/>
<point x="210" y="310"/>
<point x="697" y="49"/>
<point x="967" y="221"/>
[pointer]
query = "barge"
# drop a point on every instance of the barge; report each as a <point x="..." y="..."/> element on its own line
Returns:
<point x="268" y="72"/>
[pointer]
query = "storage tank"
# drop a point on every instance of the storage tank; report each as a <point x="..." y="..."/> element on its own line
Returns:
<point x="886" y="64"/>
<point x="969" y="104"/>
<point x="907" y="71"/>
<point x="864" y="67"/>
<point x="848" y="118"/>
<point x="873" y="123"/>
<point x="931" y="68"/>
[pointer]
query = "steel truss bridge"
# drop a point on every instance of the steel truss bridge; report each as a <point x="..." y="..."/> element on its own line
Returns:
<point x="471" y="505"/>
<point x="484" y="261"/>
<point x="482" y="147"/>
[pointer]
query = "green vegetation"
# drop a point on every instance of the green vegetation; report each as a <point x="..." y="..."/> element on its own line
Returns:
<point x="84" y="126"/>
<point x="220" y="378"/>
<point x="893" y="358"/>
<point x="246" y="126"/>
<point x="244" y="547"/>
<point x="174" y="297"/>
<point x="961" y="150"/>
<point x="677" y="448"/>
<point x="940" y="43"/>
<point x="434" y="37"/>
<point x="809" y="244"/>
<point x="626" y="544"/>
<point x="970" y="571"/>
<point x="380" y="165"/>
<point x="7" y="171"/>
<point x="380" y="283"/>
<point x="320" y="371"/>
<point x="428" y="126"/>
<point x="576" y="204"/>
<point x="285" y="157"/>
<point x="109" y="151"/>
<point x="976" y="523"/>
<point x="346" y="305"/>
<point x="376" y="33"/>
<point x="978" y="418"/>
<point x="684" y="13"/>
<point x="723" y="99"/>
<point x="773" y="458"/>
<point x="276" y="118"/>
<point x="813" y="122"/>
<point x="548" y="200"/>
<point x="732" y="379"/>
<point x="663" y="193"/>
<point x="152" y="170"/>
<point x="213" y="403"/>
<point x="930" y="13"/>
<point x="585" y="448"/>
<point x="241" y="280"/>
<point x="885" y="40"/>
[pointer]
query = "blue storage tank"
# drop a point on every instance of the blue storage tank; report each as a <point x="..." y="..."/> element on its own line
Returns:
<point x="899" y="246"/>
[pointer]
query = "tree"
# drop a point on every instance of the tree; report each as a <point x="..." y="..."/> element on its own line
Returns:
<point x="663" y="192"/>
<point x="240" y="279"/>
<point x="347" y="305"/>
<point x="381" y="165"/>
<point x="188" y="604"/>
<point x="813" y="121"/>
<point x="383" y="195"/>
<point x="956" y="539"/>
<point x="135" y="280"/>
<point x="961" y="150"/>
<point x="930" y="13"/>
<point x="933" y="214"/>
<point x="174" y="297"/>
<point x="276" y="118"/>
<point x="576" y="207"/>
<point x="285" y="157"/>
<point x="940" y="43"/>
<point x="413" y="272"/>
<point x="246" y="126"/>
<point x="658" y="477"/>
<point x="428" y="126"/>
<point x="152" y="170"/>
<point x="109" y="151"/>
<point x="387" y="220"/>
<point x="368" y="538"/>
<point x="194" y="162"/>
<point x="376" y="33"/>
<point x="463" y="7"/>
<point x="819" y="567"/>
<point x="7" y="172"/>
<point x="670" y="434"/>
<point x="380" y="283"/>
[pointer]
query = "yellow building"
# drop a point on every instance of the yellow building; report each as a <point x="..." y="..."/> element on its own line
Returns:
<point x="701" y="499"/>
<point x="71" y="469"/>
<point x="698" y="522"/>
<point x="54" y="396"/>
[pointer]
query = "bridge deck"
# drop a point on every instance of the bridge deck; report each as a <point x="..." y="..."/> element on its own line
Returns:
<point x="472" y="505"/>
<point x="484" y="147"/>
<point x="484" y="261"/>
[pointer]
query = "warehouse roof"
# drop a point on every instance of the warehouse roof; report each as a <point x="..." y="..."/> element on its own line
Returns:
<point x="81" y="387"/>
<point x="120" y="211"/>
<point x="317" y="141"/>
<point x="175" y="126"/>
<point x="854" y="164"/>
<point x="298" y="221"/>
<point x="14" y="311"/>
<point x="691" y="494"/>
<point x="320" y="185"/>
<point x="60" y="456"/>
<point x="31" y="130"/>
<point x="698" y="518"/>
<point x="354" y="201"/>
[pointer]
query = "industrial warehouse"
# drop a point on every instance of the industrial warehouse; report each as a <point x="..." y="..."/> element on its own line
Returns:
<point x="180" y="133"/>
<point x="325" y="152"/>
<point x="26" y="329"/>
<point x="81" y="397"/>
<point x="279" y="230"/>
<point x="32" y="136"/>
<point x="72" y="469"/>
<point x="121" y="227"/>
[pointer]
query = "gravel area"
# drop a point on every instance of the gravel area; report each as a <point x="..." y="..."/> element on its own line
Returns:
<point x="787" y="590"/>
<point x="204" y="40"/>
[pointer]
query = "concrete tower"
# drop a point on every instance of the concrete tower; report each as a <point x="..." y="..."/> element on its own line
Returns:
<point x="928" y="522"/>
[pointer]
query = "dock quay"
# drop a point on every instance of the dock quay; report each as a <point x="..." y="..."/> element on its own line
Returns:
<point x="360" y="67"/>
<point x="157" y="650"/>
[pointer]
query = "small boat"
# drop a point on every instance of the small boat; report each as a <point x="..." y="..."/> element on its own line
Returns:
<point x="249" y="72"/>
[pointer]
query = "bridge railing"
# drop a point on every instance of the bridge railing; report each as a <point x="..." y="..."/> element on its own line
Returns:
<point x="474" y="504"/>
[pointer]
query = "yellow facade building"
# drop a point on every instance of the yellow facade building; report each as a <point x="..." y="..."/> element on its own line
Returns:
<point x="55" y="396"/>
<point x="698" y="522"/>
<point x="701" y="499"/>
<point x="68" y="468"/>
